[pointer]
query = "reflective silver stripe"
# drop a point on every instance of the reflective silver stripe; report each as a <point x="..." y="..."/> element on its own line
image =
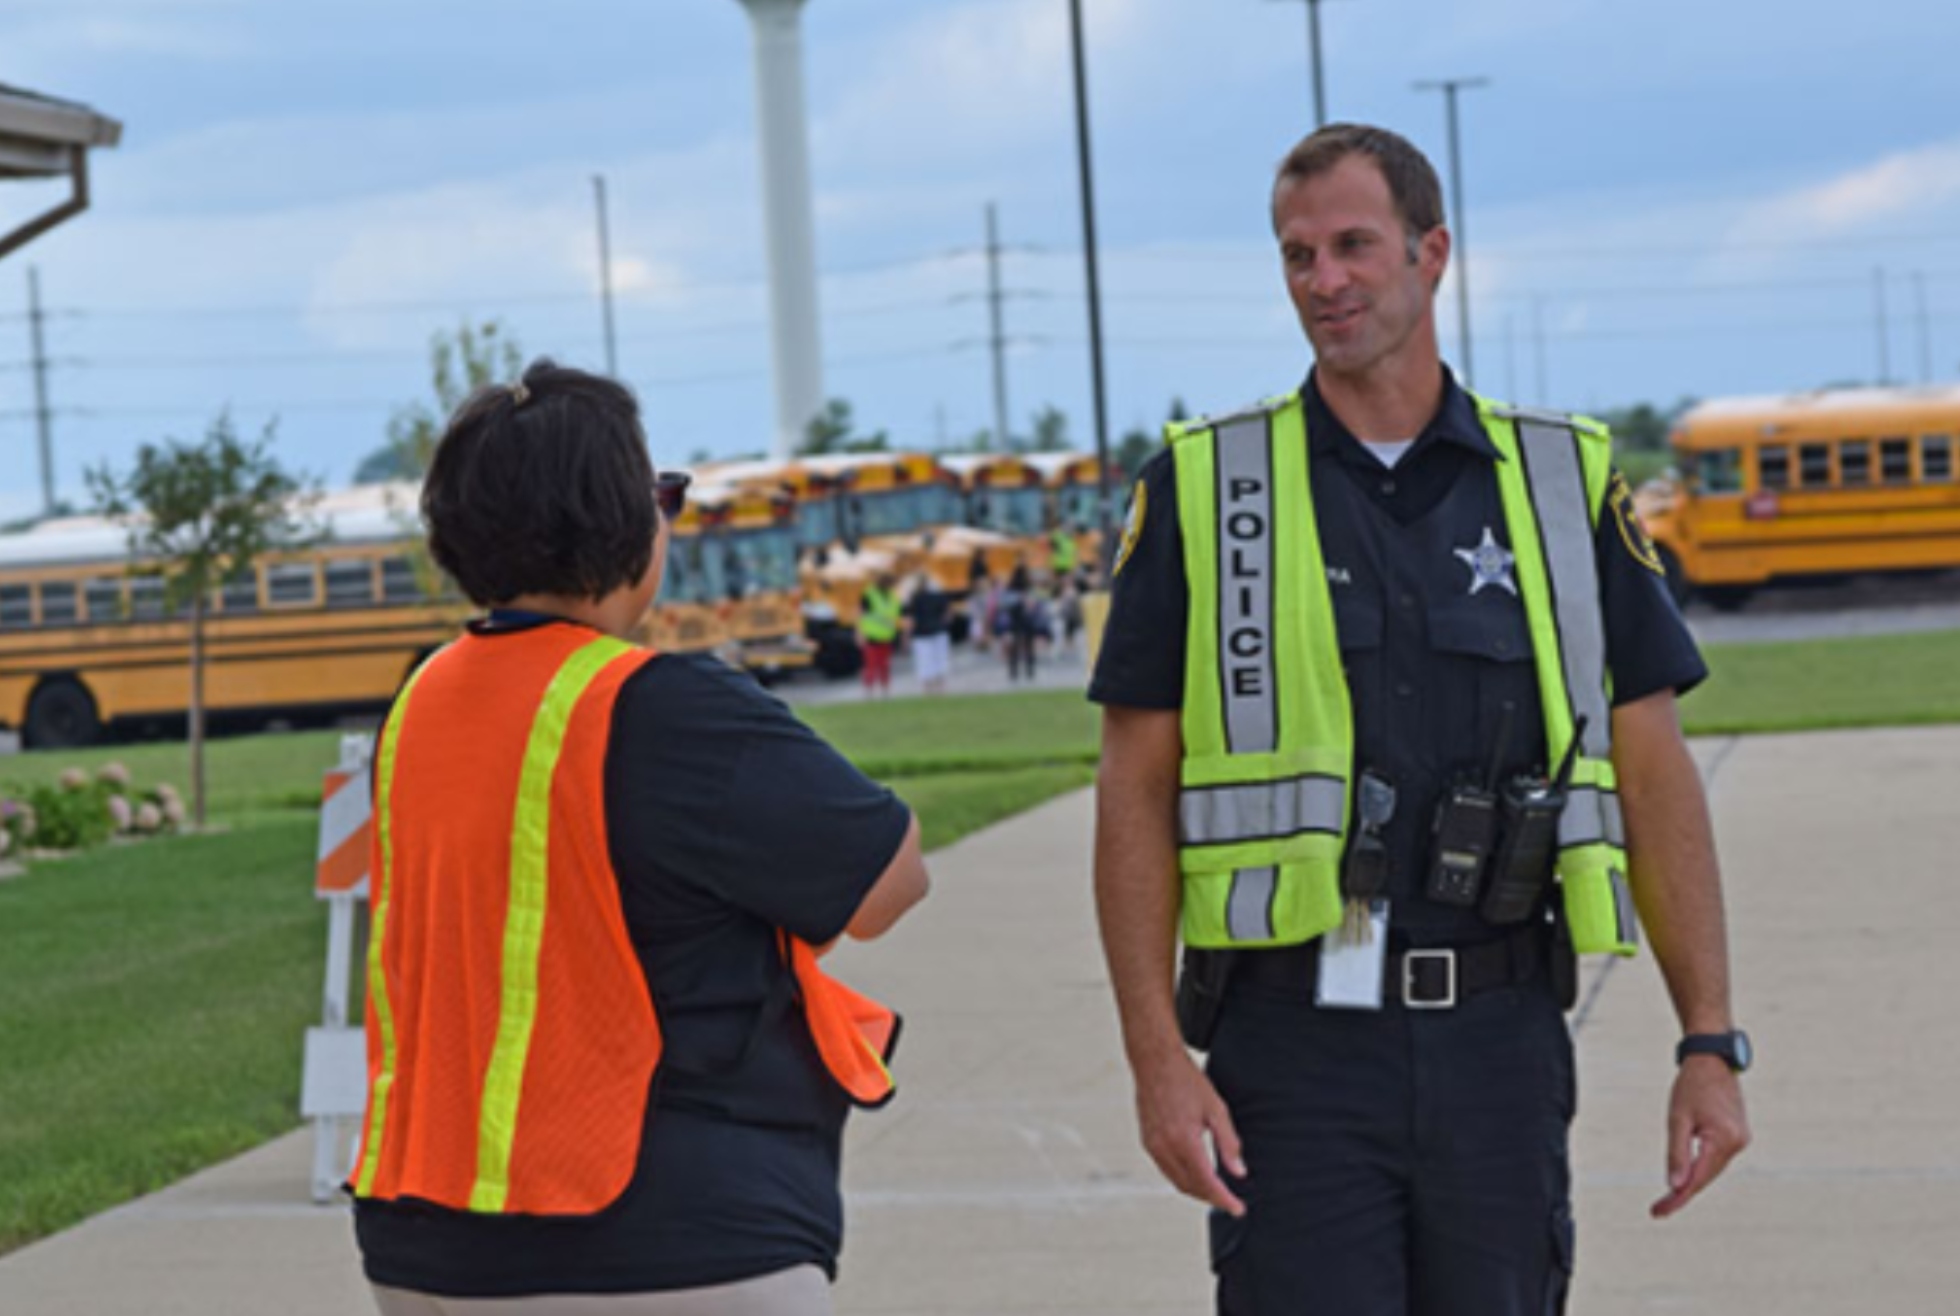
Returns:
<point x="1245" y="583"/>
<point x="1624" y="912"/>
<point x="1256" y="811"/>
<point x="1558" y="493"/>
<point x="1591" y="816"/>
<point x="1249" y="909"/>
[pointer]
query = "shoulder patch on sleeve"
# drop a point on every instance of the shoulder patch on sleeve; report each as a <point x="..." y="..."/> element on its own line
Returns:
<point x="1640" y="545"/>
<point x="1132" y="528"/>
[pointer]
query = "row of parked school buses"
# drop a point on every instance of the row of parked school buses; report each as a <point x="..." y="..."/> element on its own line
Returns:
<point x="766" y="567"/>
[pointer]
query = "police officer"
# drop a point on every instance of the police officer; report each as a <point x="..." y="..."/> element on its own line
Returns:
<point x="1381" y="655"/>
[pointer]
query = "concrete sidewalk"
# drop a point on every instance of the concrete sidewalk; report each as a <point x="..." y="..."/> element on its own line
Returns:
<point x="1007" y="1179"/>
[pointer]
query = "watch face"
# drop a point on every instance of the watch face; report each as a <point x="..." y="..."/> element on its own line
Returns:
<point x="1745" y="1055"/>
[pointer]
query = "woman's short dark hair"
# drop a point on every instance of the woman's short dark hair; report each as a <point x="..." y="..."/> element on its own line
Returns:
<point x="542" y="487"/>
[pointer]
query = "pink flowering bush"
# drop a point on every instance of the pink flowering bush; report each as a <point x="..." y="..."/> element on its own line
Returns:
<point x="78" y="810"/>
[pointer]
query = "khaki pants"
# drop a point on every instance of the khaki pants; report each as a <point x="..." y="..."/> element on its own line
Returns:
<point x="800" y="1291"/>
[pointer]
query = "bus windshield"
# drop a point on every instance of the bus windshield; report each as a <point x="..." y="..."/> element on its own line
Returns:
<point x="759" y="561"/>
<point x="1010" y="511"/>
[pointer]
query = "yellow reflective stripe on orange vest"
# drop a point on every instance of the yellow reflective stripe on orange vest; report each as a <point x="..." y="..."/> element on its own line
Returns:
<point x="384" y="889"/>
<point x="530" y="847"/>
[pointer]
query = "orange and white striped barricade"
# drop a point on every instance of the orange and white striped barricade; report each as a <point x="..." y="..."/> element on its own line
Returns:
<point x="333" y="1090"/>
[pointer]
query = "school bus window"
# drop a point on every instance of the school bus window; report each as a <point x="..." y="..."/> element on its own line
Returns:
<point x="1895" y="461"/>
<point x="105" y="600"/>
<point x="1814" y="462"/>
<point x="1773" y="467"/>
<point x="1855" y="461"/>
<point x="16" y="607"/>
<point x="1719" y="471"/>
<point x="1936" y="457"/>
<point x="241" y="591"/>
<point x="398" y="582"/>
<point x="58" y="604"/>
<point x="146" y="597"/>
<point x="350" y="583"/>
<point x="292" y="584"/>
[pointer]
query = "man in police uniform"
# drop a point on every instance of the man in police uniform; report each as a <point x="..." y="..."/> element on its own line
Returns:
<point x="1333" y="615"/>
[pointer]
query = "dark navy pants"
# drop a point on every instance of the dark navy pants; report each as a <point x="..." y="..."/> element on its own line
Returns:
<point x="1400" y="1163"/>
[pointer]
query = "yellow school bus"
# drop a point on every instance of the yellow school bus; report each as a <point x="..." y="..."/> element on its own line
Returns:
<point x="1812" y="485"/>
<point x="748" y="538"/>
<point x="89" y="644"/>
<point x="1073" y="481"/>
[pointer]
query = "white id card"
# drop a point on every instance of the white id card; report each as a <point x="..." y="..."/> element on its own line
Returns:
<point x="1351" y="970"/>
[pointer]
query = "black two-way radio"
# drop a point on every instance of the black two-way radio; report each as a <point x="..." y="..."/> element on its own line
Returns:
<point x="1531" y="810"/>
<point x="1464" y="831"/>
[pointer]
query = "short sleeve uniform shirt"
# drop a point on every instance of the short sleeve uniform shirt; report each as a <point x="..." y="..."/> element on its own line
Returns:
<point x="727" y="818"/>
<point x="1434" y="642"/>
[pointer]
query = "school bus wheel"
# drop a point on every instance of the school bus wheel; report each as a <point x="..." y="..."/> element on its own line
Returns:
<point x="61" y="715"/>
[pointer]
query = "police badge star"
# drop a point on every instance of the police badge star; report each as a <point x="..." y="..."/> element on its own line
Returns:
<point x="1489" y="563"/>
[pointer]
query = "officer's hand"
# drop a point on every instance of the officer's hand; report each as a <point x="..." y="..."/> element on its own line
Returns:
<point x="1706" y="1129"/>
<point x="1176" y="1108"/>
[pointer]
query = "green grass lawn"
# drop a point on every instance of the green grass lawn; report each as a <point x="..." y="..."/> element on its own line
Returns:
<point x="1876" y="680"/>
<point x="153" y="997"/>
<point x="152" y="1001"/>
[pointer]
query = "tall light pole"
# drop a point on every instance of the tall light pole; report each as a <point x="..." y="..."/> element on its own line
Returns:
<point x="1104" y="521"/>
<point x="1313" y="62"/>
<point x="605" y="275"/>
<point x="797" y="348"/>
<point x="1459" y="244"/>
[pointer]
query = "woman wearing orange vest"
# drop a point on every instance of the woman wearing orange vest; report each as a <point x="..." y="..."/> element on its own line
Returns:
<point x="605" y="1069"/>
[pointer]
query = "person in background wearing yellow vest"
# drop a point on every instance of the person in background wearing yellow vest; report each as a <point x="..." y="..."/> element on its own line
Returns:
<point x="1389" y="691"/>
<point x="606" y="1073"/>
<point x="879" y="621"/>
<point x="1062" y="555"/>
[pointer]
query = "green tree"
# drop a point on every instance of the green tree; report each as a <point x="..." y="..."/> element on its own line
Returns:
<point x="200" y="513"/>
<point x="1134" y="449"/>
<point x="1050" y="430"/>
<point x="460" y="363"/>
<point x="834" y="429"/>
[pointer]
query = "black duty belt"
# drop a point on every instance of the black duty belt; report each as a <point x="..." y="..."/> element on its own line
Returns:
<point x="1418" y="978"/>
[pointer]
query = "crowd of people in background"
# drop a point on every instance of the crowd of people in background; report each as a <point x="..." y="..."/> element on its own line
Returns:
<point x="1021" y="616"/>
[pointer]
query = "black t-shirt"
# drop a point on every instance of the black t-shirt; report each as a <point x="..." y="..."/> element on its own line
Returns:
<point x="929" y="609"/>
<point x="726" y="818"/>
<point x="1433" y="648"/>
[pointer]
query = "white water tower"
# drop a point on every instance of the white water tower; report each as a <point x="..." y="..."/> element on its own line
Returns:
<point x="788" y="212"/>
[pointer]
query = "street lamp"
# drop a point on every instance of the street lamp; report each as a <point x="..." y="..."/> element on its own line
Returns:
<point x="1313" y="60"/>
<point x="1459" y="244"/>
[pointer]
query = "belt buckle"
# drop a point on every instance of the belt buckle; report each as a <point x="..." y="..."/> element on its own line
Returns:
<point x="1410" y="1000"/>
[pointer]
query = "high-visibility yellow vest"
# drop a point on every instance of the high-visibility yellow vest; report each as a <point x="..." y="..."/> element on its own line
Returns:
<point x="878" y="623"/>
<point x="1268" y="728"/>
<point x="1063" y="543"/>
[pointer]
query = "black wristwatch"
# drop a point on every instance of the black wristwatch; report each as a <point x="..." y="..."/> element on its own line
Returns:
<point x="1733" y="1048"/>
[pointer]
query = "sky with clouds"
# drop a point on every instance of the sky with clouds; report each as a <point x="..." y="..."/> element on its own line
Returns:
<point x="1663" y="199"/>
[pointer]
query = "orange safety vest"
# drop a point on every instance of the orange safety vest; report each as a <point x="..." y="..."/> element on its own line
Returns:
<point x="511" y="1037"/>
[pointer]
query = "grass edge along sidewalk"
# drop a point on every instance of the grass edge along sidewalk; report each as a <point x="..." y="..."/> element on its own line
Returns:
<point x="152" y="997"/>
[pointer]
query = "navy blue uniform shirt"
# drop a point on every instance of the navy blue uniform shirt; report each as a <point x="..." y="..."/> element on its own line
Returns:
<point x="1433" y="647"/>
<point x="726" y="818"/>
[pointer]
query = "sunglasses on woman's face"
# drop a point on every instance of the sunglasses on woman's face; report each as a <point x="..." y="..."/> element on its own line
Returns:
<point x="670" y="492"/>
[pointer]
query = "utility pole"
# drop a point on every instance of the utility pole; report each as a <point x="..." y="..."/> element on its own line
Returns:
<point x="1925" y="327"/>
<point x="1103" y="511"/>
<point x="1884" y="347"/>
<point x="605" y="275"/>
<point x="43" y="417"/>
<point x="994" y="299"/>
<point x="1511" y="358"/>
<point x="1459" y="244"/>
